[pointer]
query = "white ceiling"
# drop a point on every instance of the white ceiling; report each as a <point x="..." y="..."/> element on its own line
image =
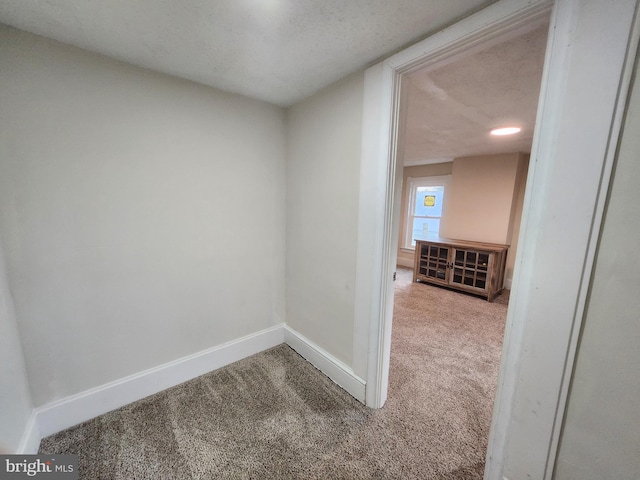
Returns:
<point x="279" y="51"/>
<point x="453" y="106"/>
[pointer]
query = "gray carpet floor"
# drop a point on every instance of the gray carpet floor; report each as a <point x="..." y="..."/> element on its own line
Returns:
<point x="274" y="415"/>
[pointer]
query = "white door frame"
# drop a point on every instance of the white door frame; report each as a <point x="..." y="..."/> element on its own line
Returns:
<point x="590" y="51"/>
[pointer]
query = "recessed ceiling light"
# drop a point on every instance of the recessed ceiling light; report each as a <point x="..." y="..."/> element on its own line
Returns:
<point x="505" y="130"/>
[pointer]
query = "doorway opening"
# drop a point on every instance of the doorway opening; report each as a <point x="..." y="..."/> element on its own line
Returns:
<point x="589" y="54"/>
<point x="460" y="182"/>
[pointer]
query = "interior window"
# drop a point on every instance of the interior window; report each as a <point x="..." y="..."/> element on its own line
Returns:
<point x="425" y="208"/>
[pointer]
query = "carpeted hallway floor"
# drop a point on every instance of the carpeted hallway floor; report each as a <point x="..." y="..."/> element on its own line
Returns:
<point x="274" y="415"/>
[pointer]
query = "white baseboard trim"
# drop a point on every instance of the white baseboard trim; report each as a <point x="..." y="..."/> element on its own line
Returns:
<point x="507" y="283"/>
<point x="326" y="363"/>
<point x="75" y="409"/>
<point x="67" y="412"/>
<point x="30" y="441"/>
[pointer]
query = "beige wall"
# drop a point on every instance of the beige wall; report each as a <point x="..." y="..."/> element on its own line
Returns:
<point x="143" y="215"/>
<point x="601" y="434"/>
<point x="481" y="198"/>
<point x="484" y="202"/>
<point x="323" y="173"/>
<point x="516" y="215"/>
<point x="15" y="398"/>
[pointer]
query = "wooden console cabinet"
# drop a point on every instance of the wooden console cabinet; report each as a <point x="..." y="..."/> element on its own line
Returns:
<point x="470" y="266"/>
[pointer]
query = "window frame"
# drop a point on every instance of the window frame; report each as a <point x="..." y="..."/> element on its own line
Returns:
<point x="413" y="183"/>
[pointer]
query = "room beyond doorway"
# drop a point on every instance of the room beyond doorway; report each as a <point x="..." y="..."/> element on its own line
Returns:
<point x="445" y="357"/>
<point x="448" y="111"/>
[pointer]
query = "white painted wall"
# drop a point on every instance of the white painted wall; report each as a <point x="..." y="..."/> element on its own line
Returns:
<point x="143" y="215"/>
<point x="601" y="435"/>
<point x="591" y="46"/>
<point x="323" y="168"/>
<point x="15" y="397"/>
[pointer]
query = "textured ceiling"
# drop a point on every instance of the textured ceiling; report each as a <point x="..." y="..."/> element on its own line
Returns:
<point x="279" y="51"/>
<point x="453" y="106"/>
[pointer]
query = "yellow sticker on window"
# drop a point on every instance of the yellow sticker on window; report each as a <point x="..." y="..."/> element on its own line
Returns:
<point x="430" y="201"/>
